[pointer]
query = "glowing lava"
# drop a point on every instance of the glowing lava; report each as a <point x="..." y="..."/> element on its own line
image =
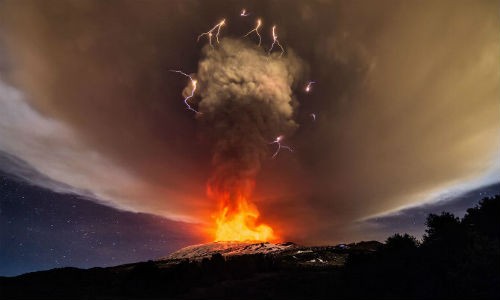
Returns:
<point x="237" y="219"/>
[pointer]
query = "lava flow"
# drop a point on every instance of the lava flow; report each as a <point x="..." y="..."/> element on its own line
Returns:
<point x="237" y="219"/>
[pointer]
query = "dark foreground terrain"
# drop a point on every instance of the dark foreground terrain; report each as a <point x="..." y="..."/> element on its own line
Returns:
<point x="458" y="258"/>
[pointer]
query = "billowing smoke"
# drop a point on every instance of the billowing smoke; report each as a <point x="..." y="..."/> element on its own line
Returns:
<point x="406" y="97"/>
<point x="246" y="100"/>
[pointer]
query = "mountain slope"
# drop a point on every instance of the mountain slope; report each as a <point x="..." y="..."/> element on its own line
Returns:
<point x="228" y="249"/>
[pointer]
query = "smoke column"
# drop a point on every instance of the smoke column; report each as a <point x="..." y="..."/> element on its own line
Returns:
<point x="245" y="100"/>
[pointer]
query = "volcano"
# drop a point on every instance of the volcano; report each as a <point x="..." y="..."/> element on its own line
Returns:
<point x="198" y="272"/>
<point x="287" y="253"/>
<point x="227" y="249"/>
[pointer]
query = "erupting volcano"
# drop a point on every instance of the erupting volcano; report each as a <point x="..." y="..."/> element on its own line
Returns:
<point x="237" y="219"/>
<point x="244" y="98"/>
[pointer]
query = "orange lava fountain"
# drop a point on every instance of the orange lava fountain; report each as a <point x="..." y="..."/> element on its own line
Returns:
<point x="237" y="219"/>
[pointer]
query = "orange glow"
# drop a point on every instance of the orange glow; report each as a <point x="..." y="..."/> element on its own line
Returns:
<point x="237" y="220"/>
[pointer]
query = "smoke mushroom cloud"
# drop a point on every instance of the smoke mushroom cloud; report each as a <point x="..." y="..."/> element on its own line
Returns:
<point x="246" y="101"/>
<point x="406" y="98"/>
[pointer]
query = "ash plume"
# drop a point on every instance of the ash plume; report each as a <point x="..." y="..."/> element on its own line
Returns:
<point x="246" y="100"/>
<point x="406" y="98"/>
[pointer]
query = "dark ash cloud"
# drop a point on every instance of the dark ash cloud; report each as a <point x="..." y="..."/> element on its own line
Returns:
<point x="406" y="98"/>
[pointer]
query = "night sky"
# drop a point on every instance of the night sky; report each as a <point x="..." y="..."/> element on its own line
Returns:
<point x="102" y="164"/>
<point x="40" y="229"/>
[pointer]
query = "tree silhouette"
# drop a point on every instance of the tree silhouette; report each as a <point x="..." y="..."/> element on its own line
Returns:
<point x="485" y="217"/>
<point x="400" y="242"/>
<point x="443" y="230"/>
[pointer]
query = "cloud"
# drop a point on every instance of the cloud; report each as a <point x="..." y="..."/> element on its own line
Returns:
<point x="47" y="153"/>
<point x="406" y="99"/>
<point x="246" y="102"/>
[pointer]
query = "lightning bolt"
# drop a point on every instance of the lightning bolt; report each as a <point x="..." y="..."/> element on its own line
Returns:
<point x="309" y="86"/>
<point x="244" y="13"/>
<point x="256" y="30"/>
<point x="277" y="141"/>
<point x="275" y="42"/>
<point x="209" y="33"/>
<point x="193" y="84"/>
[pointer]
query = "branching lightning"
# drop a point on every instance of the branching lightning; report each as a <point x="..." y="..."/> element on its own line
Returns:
<point x="244" y="13"/>
<point x="309" y="86"/>
<point x="210" y="32"/>
<point x="216" y="31"/>
<point x="277" y="141"/>
<point x="276" y="42"/>
<point x="193" y="84"/>
<point x="256" y="30"/>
